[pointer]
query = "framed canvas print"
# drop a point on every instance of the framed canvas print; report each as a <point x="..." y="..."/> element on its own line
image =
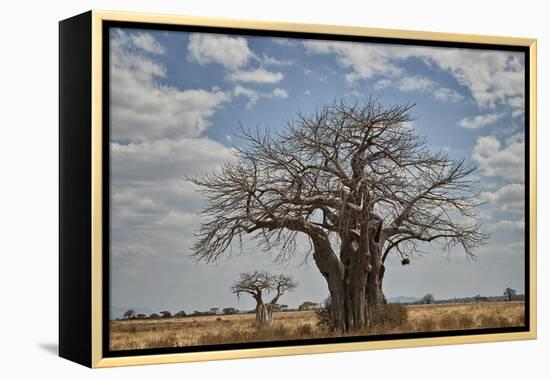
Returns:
<point x="236" y="189"/>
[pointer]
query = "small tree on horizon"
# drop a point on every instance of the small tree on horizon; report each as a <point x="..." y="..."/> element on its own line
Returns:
<point x="129" y="314"/>
<point x="166" y="314"/>
<point x="307" y="306"/>
<point x="428" y="298"/>
<point x="229" y="311"/>
<point x="259" y="283"/>
<point x="509" y="293"/>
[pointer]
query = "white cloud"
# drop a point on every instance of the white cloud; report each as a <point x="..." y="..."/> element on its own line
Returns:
<point x="480" y="121"/>
<point x="284" y="41"/>
<point x="497" y="160"/>
<point x="507" y="198"/>
<point x="280" y="92"/>
<point x="145" y="41"/>
<point x="415" y="83"/>
<point x="508" y="225"/>
<point x="364" y="60"/>
<point x="382" y="83"/>
<point x="142" y="109"/>
<point x="254" y="96"/>
<point x="269" y="60"/>
<point x="234" y="54"/>
<point x="258" y="75"/>
<point x="447" y="95"/>
<point x="492" y="77"/>
<point x="518" y="104"/>
<point x="163" y="159"/>
<point x="231" y="52"/>
<point x="151" y="202"/>
<point x="420" y="84"/>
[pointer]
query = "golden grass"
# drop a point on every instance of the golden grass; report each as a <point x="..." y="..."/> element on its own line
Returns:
<point x="224" y="329"/>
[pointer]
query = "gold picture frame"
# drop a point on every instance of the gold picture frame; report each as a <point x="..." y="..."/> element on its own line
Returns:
<point x="87" y="236"/>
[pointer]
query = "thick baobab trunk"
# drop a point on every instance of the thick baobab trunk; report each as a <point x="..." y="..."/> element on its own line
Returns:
<point x="355" y="283"/>
<point x="346" y="283"/>
<point x="374" y="294"/>
<point x="333" y="271"/>
<point x="355" y="303"/>
<point x="264" y="314"/>
<point x="373" y="290"/>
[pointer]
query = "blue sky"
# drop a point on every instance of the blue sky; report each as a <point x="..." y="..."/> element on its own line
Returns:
<point x="177" y="100"/>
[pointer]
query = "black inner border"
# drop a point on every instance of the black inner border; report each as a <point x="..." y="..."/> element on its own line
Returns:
<point x="106" y="25"/>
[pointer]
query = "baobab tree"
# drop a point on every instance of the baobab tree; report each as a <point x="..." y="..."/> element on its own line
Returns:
<point x="509" y="293"/>
<point x="358" y="182"/>
<point x="259" y="283"/>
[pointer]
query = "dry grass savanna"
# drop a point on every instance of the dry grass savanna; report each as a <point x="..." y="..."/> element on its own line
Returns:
<point x="293" y="325"/>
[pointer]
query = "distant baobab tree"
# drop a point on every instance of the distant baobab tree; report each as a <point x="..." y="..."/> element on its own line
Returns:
<point x="129" y="314"/>
<point x="258" y="284"/>
<point x="428" y="298"/>
<point x="509" y="293"/>
<point x="358" y="182"/>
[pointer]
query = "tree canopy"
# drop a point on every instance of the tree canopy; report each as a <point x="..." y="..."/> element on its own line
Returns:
<point x="322" y="173"/>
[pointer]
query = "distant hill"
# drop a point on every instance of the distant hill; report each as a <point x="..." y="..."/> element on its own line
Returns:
<point x="118" y="312"/>
<point x="496" y="298"/>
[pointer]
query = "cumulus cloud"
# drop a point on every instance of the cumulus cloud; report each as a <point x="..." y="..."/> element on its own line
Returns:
<point x="508" y="225"/>
<point x="236" y="56"/>
<point x="480" y="121"/>
<point x="280" y="92"/>
<point x="156" y="140"/>
<point x="145" y="41"/>
<point x="416" y="83"/>
<point x="356" y="55"/>
<point x="447" y="95"/>
<point x="497" y="160"/>
<point x="164" y="159"/>
<point x="382" y="83"/>
<point x="136" y="41"/>
<point x="259" y="75"/>
<point x="254" y="96"/>
<point x="154" y="209"/>
<point x="231" y="52"/>
<point x="142" y="109"/>
<point x="507" y="198"/>
<point x="271" y="61"/>
<point x="492" y="77"/>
